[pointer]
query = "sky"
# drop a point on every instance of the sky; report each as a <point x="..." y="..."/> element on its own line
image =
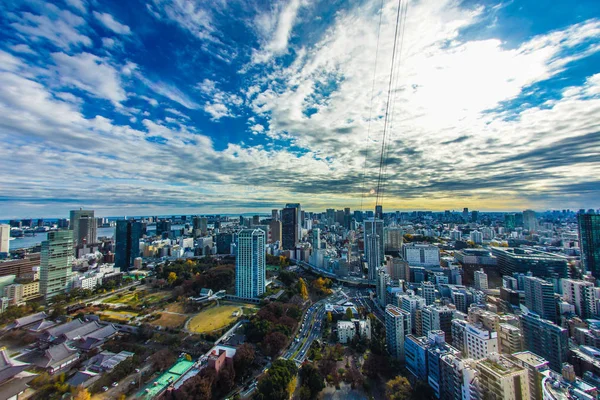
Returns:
<point x="144" y="107"/>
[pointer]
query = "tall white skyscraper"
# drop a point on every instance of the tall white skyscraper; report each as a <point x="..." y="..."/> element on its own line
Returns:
<point x="397" y="327"/>
<point x="250" y="264"/>
<point x="55" y="263"/>
<point x="4" y="238"/>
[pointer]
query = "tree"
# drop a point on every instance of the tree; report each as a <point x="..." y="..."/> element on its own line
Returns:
<point x="312" y="379"/>
<point x="329" y="317"/>
<point x="273" y="343"/>
<point x="243" y="359"/>
<point x="302" y="289"/>
<point x="349" y="314"/>
<point x="398" y="389"/>
<point x="81" y="393"/>
<point x="171" y="278"/>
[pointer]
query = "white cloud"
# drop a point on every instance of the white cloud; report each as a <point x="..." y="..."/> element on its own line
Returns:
<point x="276" y="30"/>
<point x="109" y="22"/>
<point x="78" y="5"/>
<point x="169" y="91"/>
<point x="61" y="28"/>
<point x="22" y="48"/>
<point x="90" y="73"/>
<point x="257" y="128"/>
<point x="220" y="103"/>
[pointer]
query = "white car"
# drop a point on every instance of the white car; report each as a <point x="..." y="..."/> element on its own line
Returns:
<point x="115" y="384"/>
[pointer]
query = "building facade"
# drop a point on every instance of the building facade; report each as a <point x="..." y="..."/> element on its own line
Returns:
<point x="55" y="263"/>
<point x="250" y="264"/>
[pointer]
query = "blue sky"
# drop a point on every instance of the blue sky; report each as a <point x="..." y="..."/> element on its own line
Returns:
<point x="181" y="106"/>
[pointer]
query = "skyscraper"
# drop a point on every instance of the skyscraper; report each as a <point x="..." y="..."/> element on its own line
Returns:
<point x="163" y="228"/>
<point x="316" y="238"/>
<point x="480" y="279"/>
<point x="289" y="228"/>
<point x="539" y="297"/>
<point x="393" y="239"/>
<point x="4" y="238"/>
<point x="397" y="328"/>
<point x="275" y="215"/>
<point x="55" y="263"/>
<point x="84" y="226"/>
<point x="127" y="246"/>
<point x="529" y="220"/>
<point x="275" y="226"/>
<point x="299" y="220"/>
<point x="372" y="255"/>
<point x="383" y="279"/>
<point x="375" y="226"/>
<point x="379" y="212"/>
<point x="589" y="242"/>
<point x="250" y="264"/>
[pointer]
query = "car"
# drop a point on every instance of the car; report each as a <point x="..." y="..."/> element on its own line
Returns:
<point x="115" y="384"/>
<point x="105" y="388"/>
<point x="137" y="370"/>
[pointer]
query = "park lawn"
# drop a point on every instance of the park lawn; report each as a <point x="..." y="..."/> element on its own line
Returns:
<point x="213" y="318"/>
<point x="130" y="298"/>
<point x="120" y="316"/>
<point x="175" y="308"/>
<point x="167" y="320"/>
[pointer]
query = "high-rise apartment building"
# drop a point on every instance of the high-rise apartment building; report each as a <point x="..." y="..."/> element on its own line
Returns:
<point x="399" y="269"/>
<point x="4" y="238"/>
<point x="510" y="339"/>
<point x="84" y="226"/>
<point x="545" y="339"/>
<point x="589" y="242"/>
<point x="539" y="297"/>
<point x="383" y="279"/>
<point x="410" y="304"/>
<point x="250" y="264"/>
<point x="127" y="243"/>
<point x="393" y="239"/>
<point x="428" y="292"/>
<point x="535" y="366"/>
<point x="480" y="279"/>
<point x="581" y="294"/>
<point x="474" y="341"/>
<point x="316" y="238"/>
<point x="55" y="263"/>
<point x="437" y="318"/>
<point x="289" y="228"/>
<point x="397" y="328"/>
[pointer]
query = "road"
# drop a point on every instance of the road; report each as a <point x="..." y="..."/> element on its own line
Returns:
<point x="362" y="299"/>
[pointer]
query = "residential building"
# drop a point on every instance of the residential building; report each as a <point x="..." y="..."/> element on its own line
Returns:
<point x="224" y="242"/>
<point x="347" y="330"/>
<point x="428" y="292"/>
<point x="55" y="263"/>
<point x="127" y="243"/>
<point x="437" y="318"/>
<point x="476" y="237"/>
<point x="397" y="327"/>
<point x="383" y="280"/>
<point x="399" y="269"/>
<point x="539" y="297"/>
<point x="83" y="226"/>
<point x="545" y="339"/>
<point x="393" y="239"/>
<point x="410" y="304"/>
<point x="535" y="366"/>
<point x="589" y="242"/>
<point x="250" y="264"/>
<point x="581" y="294"/>
<point x="510" y="339"/>
<point x="479" y="342"/>
<point x="275" y="228"/>
<point x="499" y="378"/>
<point x="480" y="279"/>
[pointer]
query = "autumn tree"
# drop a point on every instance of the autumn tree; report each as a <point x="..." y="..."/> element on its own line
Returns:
<point x="302" y="289"/>
<point x="81" y="393"/>
<point x="273" y="343"/>
<point x="243" y="359"/>
<point x="171" y="278"/>
<point x="398" y="389"/>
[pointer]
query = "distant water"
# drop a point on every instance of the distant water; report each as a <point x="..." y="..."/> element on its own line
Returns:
<point x="30" y="241"/>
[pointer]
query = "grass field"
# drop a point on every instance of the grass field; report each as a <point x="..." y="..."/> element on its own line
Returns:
<point x="175" y="307"/>
<point x="170" y="320"/>
<point x="136" y="298"/>
<point x="120" y="316"/>
<point x="213" y="318"/>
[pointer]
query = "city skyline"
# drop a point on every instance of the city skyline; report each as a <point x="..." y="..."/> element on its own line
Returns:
<point x="181" y="108"/>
